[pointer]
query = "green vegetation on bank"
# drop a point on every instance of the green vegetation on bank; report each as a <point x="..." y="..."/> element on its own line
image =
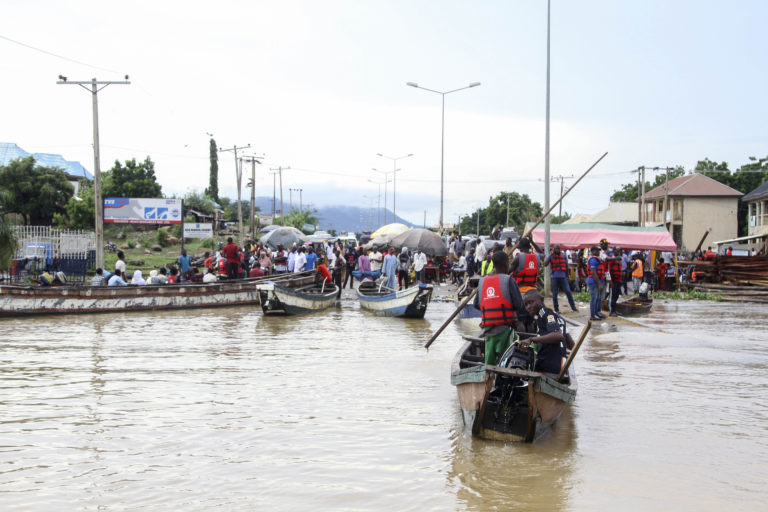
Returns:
<point x="583" y="296"/>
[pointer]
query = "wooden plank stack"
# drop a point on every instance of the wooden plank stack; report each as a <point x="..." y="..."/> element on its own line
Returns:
<point x="734" y="277"/>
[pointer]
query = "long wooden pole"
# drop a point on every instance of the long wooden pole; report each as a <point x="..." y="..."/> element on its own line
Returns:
<point x="575" y="350"/>
<point x="527" y="233"/>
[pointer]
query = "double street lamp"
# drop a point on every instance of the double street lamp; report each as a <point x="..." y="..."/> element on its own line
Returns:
<point x="442" y="143"/>
<point x="394" y="181"/>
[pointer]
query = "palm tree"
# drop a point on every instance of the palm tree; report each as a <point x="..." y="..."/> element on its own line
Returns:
<point x="8" y="242"/>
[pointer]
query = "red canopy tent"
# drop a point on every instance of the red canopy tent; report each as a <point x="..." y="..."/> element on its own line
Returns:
<point x="580" y="236"/>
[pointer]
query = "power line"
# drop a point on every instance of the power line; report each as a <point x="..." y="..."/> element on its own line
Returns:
<point x="59" y="56"/>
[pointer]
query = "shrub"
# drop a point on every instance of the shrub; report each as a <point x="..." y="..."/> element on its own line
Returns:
<point x="162" y="237"/>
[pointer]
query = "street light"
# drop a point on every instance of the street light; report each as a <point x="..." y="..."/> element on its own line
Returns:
<point x="394" y="180"/>
<point x="442" y="143"/>
<point x="386" y="180"/>
<point x="378" y="211"/>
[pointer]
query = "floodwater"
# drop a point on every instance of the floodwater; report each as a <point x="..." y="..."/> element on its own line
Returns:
<point x="227" y="410"/>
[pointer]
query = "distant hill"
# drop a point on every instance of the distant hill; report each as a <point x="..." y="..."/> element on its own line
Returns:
<point x="342" y="218"/>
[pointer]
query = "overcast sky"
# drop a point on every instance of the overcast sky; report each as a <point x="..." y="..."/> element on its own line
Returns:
<point x="320" y="86"/>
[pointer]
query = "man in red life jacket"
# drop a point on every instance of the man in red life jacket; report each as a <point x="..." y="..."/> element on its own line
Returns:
<point x="525" y="267"/>
<point x="709" y="254"/>
<point x="614" y="267"/>
<point x="559" y="277"/>
<point x="499" y="300"/>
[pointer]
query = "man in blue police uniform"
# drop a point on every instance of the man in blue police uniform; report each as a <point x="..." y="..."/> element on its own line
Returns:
<point x="551" y="340"/>
<point x="499" y="300"/>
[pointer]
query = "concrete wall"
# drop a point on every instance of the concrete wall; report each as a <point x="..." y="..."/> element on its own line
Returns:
<point x="700" y="213"/>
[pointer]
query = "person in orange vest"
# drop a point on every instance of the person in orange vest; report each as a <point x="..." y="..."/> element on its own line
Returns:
<point x="499" y="300"/>
<point x="637" y="271"/>
<point x="525" y="267"/>
<point x="709" y="254"/>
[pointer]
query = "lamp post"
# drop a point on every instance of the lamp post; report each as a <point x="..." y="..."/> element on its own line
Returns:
<point x="394" y="180"/>
<point x="378" y="210"/>
<point x="386" y="180"/>
<point x="442" y="137"/>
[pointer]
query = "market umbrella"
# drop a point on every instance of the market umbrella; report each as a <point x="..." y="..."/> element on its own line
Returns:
<point x="390" y="229"/>
<point x="267" y="229"/>
<point x="424" y="239"/>
<point x="285" y="236"/>
<point x="379" y="242"/>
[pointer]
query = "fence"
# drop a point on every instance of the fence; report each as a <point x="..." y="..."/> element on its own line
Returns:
<point x="42" y="248"/>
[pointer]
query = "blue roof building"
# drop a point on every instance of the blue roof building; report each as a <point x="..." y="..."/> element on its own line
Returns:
<point x="10" y="151"/>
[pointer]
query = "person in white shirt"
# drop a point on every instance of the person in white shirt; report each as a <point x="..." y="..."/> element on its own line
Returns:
<point x="210" y="276"/>
<point x="120" y="265"/>
<point x="459" y="268"/>
<point x="376" y="258"/>
<point x="419" y="262"/>
<point x="301" y="260"/>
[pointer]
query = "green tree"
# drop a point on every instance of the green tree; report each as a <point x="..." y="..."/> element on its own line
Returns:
<point x="131" y="180"/>
<point x="201" y="202"/>
<point x="298" y="219"/>
<point x="559" y="219"/>
<point x="213" y="187"/>
<point x="629" y="192"/>
<point x="521" y="210"/>
<point x="36" y="193"/>
<point x="79" y="212"/>
<point x="8" y="242"/>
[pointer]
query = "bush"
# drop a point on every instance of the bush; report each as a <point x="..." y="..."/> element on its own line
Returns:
<point x="162" y="237"/>
<point x="208" y="243"/>
<point x="176" y="230"/>
<point x="132" y="244"/>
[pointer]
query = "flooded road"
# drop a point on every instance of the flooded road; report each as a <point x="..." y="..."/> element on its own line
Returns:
<point x="228" y="410"/>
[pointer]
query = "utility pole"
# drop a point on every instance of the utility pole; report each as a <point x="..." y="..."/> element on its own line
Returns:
<point x="561" y="179"/>
<point x="639" y="205"/>
<point x="279" y="170"/>
<point x="478" y="222"/>
<point x="274" y="176"/>
<point x="301" y="202"/>
<point x="507" y="222"/>
<point x="239" y="176"/>
<point x="253" y="160"/>
<point x="99" y="203"/>
<point x="394" y="180"/>
<point x="290" y="200"/>
<point x="666" y="196"/>
<point x="642" y="196"/>
<point x="425" y="219"/>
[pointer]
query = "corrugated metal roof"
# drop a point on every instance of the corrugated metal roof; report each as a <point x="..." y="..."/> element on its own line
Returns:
<point x="759" y="193"/>
<point x="694" y="185"/>
<point x="10" y="151"/>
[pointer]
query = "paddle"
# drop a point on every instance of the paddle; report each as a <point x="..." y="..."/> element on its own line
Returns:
<point x="575" y="349"/>
<point x="527" y="233"/>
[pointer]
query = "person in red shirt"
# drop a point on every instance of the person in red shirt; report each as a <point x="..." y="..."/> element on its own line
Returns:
<point x="208" y="261"/>
<point x="661" y="272"/>
<point x="231" y="253"/>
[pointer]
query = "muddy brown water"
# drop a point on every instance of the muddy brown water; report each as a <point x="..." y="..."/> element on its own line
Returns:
<point x="228" y="410"/>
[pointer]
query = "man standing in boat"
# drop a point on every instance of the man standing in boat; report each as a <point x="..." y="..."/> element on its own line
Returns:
<point x="230" y="252"/>
<point x="499" y="300"/>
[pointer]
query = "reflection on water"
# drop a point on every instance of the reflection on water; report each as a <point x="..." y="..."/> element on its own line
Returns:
<point x="228" y="410"/>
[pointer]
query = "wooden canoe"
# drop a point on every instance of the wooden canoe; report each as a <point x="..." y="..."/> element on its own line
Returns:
<point x="533" y="404"/>
<point x="296" y="296"/>
<point x="69" y="299"/>
<point x="409" y="303"/>
<point x="631" y="307"/>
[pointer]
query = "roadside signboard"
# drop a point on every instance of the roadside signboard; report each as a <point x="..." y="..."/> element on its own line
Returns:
<point x="198" y="230"/>
<point x="124" y="210"/>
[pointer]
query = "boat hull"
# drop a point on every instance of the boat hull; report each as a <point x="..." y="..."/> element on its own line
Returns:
<point x="284" y="300"/>
<point x="409" y="303"/>
<point x="525" y="416"/>
<point x="33" y="300"/>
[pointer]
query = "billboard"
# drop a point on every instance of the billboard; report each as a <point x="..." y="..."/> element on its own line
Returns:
<point x="124" y="210"/>
<point x="194" y="230"/>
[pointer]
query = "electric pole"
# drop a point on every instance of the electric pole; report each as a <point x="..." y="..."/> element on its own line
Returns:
<point x="279" y="170"/>
<point x="99" y="203"/>
<point x="274" y="179"/>
<point x="253" y="160"/>
<point x="239" y="176"/>
<point x="561" y="179"/>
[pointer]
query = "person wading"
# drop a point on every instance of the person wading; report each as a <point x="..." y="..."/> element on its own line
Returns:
<point x="499" y="300"/>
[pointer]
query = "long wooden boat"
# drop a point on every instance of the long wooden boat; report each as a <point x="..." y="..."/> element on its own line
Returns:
<point x="296" y="296"/>
<point x="507" y="404"/>
<point x="409" y="303"/>
<point x="37" y="300"/>
<point x="632" y="306"/>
